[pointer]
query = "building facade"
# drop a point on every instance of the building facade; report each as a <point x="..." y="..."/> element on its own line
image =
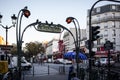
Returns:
<point x="3" y="48"/>
<point x="68" y="40"/>
<point x="52" y="47"/>
<point x="108" y="18"/>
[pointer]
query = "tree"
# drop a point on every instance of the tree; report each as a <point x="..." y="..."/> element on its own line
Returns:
<point x="14" y="49"/>
<point x="33" y="48"/>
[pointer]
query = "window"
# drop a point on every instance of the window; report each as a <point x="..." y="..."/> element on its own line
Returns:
<point x="98" y="18"/>
<point x="98" y="10"/>
<point x="114" y="40"/>
<point x="113" y="15"/>
<point x="106" y="33"/>
<point x="105" y="26"/>
<point x="113" y="7"/>
<point x="106" y="40"/>
<point x="113" y="24"/>
<point x="119" y="24"/>
<point x="113" y="32"/>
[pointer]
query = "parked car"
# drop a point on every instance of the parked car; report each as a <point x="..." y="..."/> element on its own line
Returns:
<point x="25" y="65"/>
<point x="104" y="62"/>
<point x="57" y="62"/>
<point x="62" y="61"/>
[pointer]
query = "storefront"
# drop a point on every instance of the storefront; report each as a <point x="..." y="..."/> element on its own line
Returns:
<point x="5" y="49"/>
<point x="113" y="54"/>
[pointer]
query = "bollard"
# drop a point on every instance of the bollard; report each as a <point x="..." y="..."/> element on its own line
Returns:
<point x="33" y="71"/>
<point x="48" y="70"/>
<point x="62" y="69"/>
<point x="23" y="76"/>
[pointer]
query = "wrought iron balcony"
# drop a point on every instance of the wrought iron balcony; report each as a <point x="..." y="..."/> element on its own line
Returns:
<point x="104" y="19"/>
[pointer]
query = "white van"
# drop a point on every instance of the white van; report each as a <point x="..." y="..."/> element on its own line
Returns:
<point x="24" y="63"/>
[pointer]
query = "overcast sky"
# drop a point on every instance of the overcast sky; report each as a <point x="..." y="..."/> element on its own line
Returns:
<point x="55" y="11"/>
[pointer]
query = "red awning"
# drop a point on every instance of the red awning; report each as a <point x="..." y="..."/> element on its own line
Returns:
<point x="101" y="52"/>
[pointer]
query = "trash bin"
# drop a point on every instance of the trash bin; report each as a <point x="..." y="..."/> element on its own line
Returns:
<point x="62" y="69"/>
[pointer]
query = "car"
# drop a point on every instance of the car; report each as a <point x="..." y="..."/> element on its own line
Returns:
<point x="67" y="61"/>
<point x="25" y="65"/>
<point x="104" y="62"/>
<point x="57" y="62"/>
<point x="62" y="61"/>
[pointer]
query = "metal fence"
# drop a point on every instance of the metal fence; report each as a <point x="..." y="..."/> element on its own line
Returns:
<point x="98" y="74"/>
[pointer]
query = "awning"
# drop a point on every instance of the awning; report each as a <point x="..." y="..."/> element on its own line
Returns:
<point x="72" y="55"/>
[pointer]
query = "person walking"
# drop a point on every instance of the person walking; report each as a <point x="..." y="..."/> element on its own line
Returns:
<point x="70" y="72"/>
<point x="74" y="77"/>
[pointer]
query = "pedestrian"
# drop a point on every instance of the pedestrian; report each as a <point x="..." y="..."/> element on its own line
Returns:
<point x="99" y="64"/>
<point x="74" y="77"/>
<point x="70" y="72"/>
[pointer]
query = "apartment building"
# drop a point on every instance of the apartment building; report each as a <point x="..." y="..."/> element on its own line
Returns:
<point x="52" y="46"/>
<point x="108" y="18"/>
<point x="68" y="40"/>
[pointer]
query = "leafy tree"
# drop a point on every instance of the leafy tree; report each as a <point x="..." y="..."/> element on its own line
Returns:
<point x="14" y="49"/>
<point x="33" y="48"/>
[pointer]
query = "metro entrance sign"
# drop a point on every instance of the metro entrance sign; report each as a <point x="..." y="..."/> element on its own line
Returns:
<point x="45" y="27"/>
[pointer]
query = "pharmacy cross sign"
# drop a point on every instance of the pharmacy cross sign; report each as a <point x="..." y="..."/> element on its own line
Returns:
<point x="108" y="45"/>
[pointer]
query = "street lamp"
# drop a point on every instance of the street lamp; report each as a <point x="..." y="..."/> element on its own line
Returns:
<point x="77" y="41"/>
<point x="26" y="13"/>
<point x="90" y="35"/>
<point x="6" y="27"/>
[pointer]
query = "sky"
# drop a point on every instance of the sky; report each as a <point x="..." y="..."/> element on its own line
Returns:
<point x="55" y="11"/>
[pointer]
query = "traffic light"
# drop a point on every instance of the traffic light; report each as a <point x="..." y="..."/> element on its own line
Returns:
<point x="95" y="33"/>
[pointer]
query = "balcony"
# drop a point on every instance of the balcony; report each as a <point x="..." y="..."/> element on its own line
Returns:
<point x="105" y="19"/>
<point x="113" y="35"/>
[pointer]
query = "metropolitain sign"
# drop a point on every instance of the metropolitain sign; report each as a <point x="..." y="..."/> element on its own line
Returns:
<point x="52" y="28"/>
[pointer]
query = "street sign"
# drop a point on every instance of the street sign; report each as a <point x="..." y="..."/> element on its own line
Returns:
<point x="108" y="45"/>
<point x="48" y="28"/>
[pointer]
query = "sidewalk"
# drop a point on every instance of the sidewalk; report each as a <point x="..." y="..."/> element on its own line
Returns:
<point x="47" y="77"/>
<point x="42" y="73"/>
